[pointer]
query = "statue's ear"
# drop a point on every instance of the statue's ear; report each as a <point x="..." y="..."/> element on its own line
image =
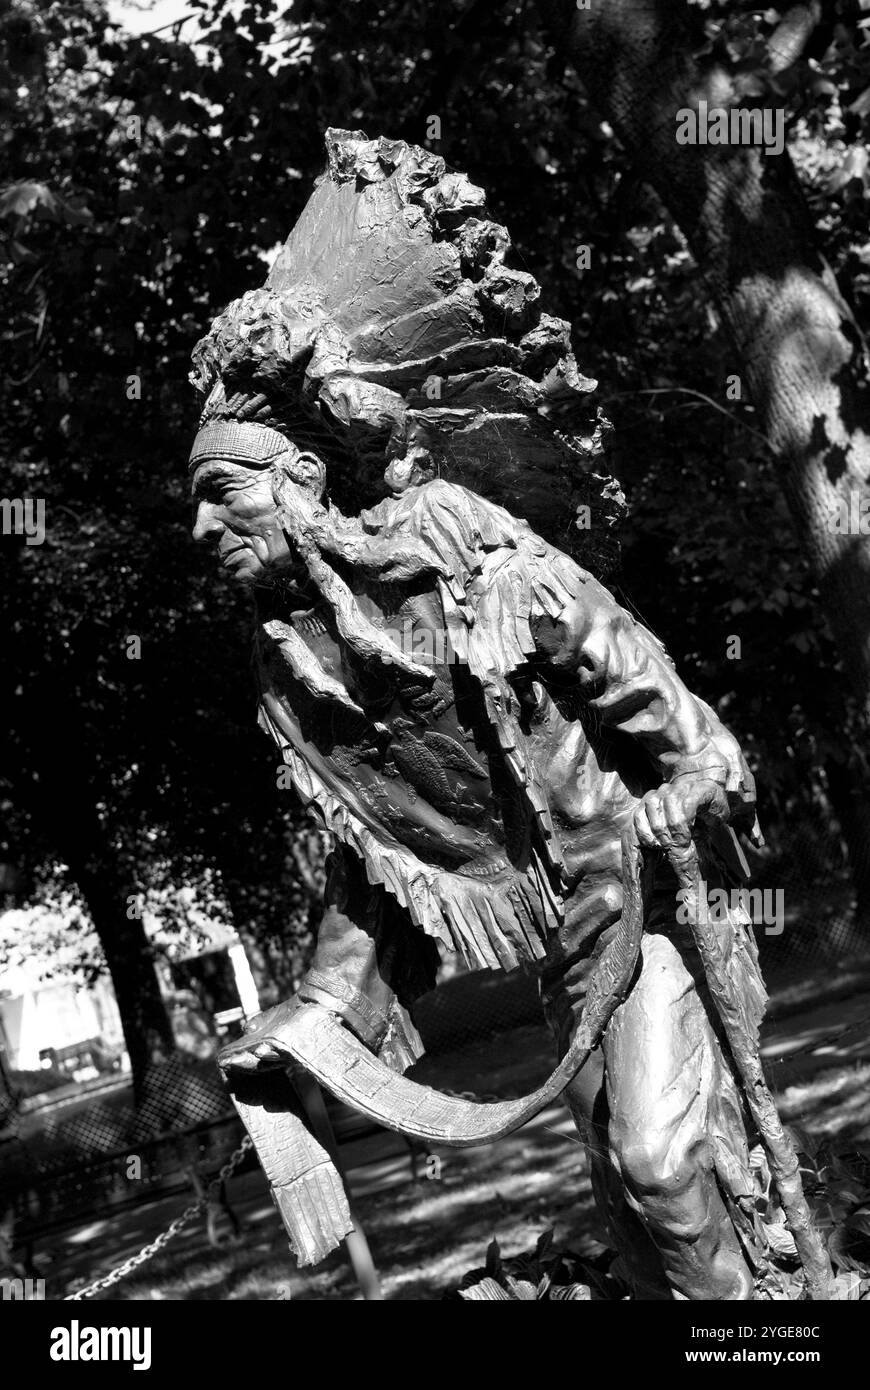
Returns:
<point x="305" y="469"/>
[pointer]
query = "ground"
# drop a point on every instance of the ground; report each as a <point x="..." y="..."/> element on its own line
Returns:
<point x="425" y="1234"/>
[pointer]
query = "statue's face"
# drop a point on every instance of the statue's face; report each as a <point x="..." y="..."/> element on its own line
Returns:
<point x="248" y="478"/>
<point x="237" y="514"/>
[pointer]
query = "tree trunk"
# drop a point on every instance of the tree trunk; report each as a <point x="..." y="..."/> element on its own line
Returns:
<point x="797" y="348"/>
<point x="147" y="1030"/>
<point x="63" y="804"/>
<point x="743" y="214"/>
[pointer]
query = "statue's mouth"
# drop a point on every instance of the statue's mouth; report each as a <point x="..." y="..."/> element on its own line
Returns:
<point x="230" y="551"/>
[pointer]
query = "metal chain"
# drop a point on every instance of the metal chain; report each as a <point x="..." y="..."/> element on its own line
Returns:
<point x="149" y="1251"/>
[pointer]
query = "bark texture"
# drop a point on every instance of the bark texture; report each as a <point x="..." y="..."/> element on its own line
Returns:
<point x="742" y="211"/>
<point x="63" y="803"/>
<point x="798" y="350"/>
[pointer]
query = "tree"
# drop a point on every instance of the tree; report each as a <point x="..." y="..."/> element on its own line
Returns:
<point x="111" y="268"/>
<point x="742" y="210"/>
<point x="143" y="183"/>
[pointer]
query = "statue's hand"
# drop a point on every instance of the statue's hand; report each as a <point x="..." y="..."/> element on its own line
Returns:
<point x="665" y="816"/>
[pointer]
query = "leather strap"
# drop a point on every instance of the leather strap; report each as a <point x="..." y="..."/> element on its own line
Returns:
<point x="313" y="1036"/>
<point x="329" y="989"/>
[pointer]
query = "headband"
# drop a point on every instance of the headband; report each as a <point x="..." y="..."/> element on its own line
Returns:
<point x="238" y="441"/>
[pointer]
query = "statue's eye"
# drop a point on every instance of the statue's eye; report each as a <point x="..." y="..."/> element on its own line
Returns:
<point x="219" y="487"/>
<point x="222" y="489"/>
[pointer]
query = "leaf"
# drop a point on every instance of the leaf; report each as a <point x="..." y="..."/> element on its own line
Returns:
<point x="780" y="1240"/>
<point x="494" y="1266"/>
<point x="521" y="1289"/>
<point x="854" y="166"/>
<point x="24" y="199"/>
<point x="840" y="1250"/>
<point x="487" y="1291"/>
<point x="859" y="1221"/>
<point x="544" y="1246"/>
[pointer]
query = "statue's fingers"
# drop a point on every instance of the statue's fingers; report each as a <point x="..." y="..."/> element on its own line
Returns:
<point x="644" y="830"/>
<point x="714" y="802"/>
<point x="658" y="821"/>
<point x="679" y="824"/>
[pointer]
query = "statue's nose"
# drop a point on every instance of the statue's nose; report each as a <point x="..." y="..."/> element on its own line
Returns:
<point x="206" y="523"/>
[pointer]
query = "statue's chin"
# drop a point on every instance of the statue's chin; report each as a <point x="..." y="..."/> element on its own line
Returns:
<point x="245" y="568"/>
<point x="241" y="567"/>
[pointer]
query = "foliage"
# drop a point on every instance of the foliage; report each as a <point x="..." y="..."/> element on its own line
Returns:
<point x="545" y="1275"/>
<point x="113" y="268"/>
<point x="835" y="1182"/>
<point x="54" y="940"/>
<point x="144" y="181"/>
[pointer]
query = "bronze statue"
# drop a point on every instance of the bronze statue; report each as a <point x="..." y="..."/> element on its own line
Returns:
<point x="507" y="761"/>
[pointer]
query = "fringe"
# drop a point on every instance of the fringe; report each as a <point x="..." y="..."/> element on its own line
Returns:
<point x="492" y="922"/>
<point x="494" y="577"/>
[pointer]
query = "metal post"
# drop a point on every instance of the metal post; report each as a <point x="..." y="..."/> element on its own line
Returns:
<point x="356" y="1243"/>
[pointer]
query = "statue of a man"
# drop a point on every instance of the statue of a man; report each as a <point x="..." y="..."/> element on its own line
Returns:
<point x="473" y="715"/>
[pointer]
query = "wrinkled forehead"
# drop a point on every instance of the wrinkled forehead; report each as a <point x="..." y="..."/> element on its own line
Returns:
<point x="238" y="441"/>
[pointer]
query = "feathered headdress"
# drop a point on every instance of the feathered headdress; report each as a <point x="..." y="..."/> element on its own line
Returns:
<point x="390" y="327"/>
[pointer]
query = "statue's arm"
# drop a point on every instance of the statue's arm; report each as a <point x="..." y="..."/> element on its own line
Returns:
<point x="370" y="964"/>
<point x="631" y="685"/>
